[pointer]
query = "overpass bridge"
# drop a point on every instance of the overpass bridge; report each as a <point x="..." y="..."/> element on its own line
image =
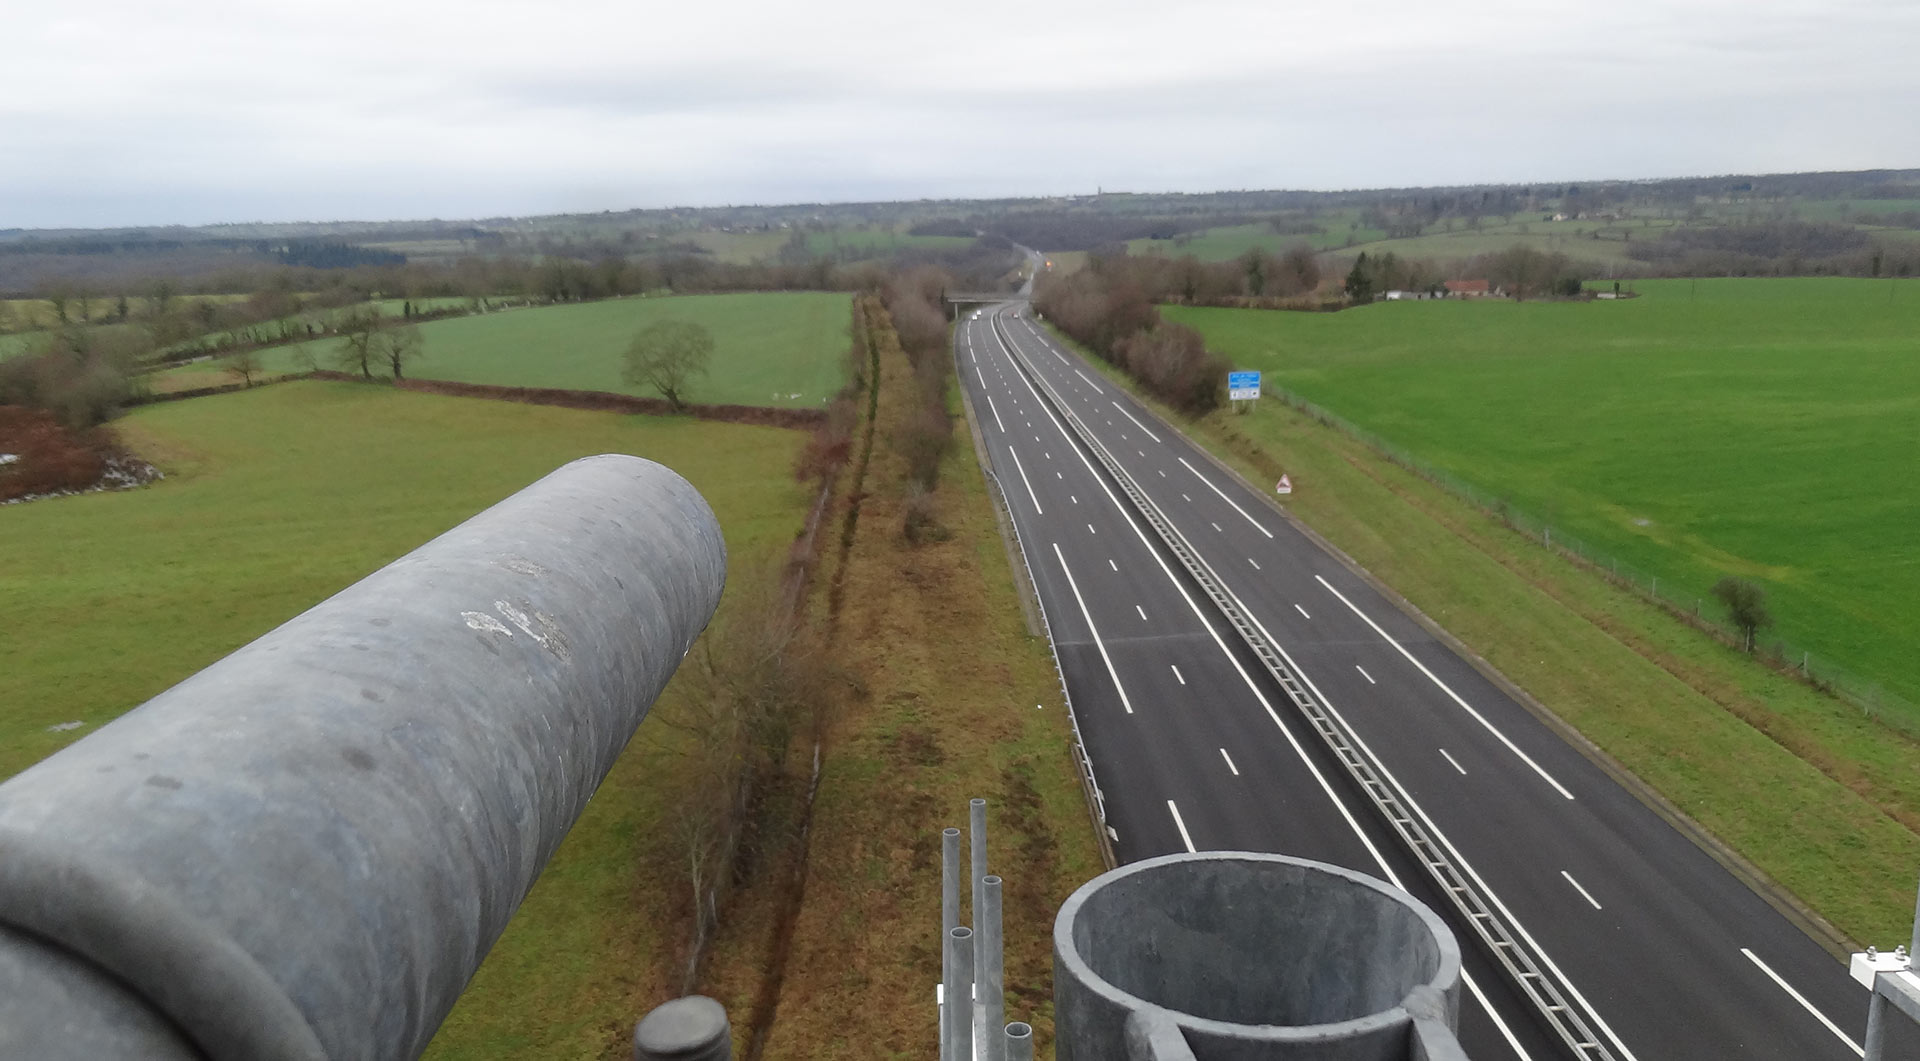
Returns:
<point x="957" y="301"/>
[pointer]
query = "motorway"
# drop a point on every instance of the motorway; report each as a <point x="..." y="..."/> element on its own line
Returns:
<point x="1197" y="747"/>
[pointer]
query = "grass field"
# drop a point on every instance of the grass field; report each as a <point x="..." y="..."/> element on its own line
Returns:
<point x="779" y="348"/>
<point x="1231" y="241"/>
<point x="747" y="247"/>
<point x="1821" y="799"/>
<point x="1758" y="428"/>
<point x="265" y="511"/>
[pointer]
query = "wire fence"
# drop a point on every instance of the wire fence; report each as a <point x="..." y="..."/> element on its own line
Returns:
<point x="1690" y="603"/>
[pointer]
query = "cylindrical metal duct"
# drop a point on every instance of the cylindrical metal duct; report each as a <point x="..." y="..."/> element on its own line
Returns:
<point x="949" y="920"/>
<point x="1019" y="1041"/>
<point x="960" y="995"/>
<point x="305" y="850"/>
<point x="693" y="1028"/>
<point x="988" y="973"/>
<point x="976" y="877"/>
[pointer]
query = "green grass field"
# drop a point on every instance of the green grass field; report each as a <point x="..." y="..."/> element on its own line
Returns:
<point x="1231" y="241"/>
<point x="778" y="348"/>
<point x="1758" y="428"/>
<point x="1822" y="799"/>
<point x="278" y="497"/>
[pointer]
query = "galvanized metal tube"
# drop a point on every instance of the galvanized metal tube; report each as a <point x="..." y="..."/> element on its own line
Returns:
<point x="977" y="875"/>
<point x="1913" y="947"/>
<point x="694" y="1028"/>
<point x="960" y="994"/>
<point x="977" y="841"/>
<point x="305" y="850"/>
<point x="949" y="916"/>
<point x="988" y="975"/>
<point x="1018" y="1042"/>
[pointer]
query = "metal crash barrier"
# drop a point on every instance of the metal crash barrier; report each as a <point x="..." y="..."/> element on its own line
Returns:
<point x="305" y="850"/>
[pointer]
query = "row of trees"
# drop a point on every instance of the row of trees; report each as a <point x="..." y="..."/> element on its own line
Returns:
<point x="1109" y="308"/>
<point x="82" y="375"/>
<point x="915" y="303"/>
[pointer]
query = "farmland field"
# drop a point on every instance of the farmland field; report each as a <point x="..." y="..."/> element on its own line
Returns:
<point x="1758" y="428"/>
<point x="1231" y="241"/>
<point x="265" y="511"/>
<point x="780" y="348"/>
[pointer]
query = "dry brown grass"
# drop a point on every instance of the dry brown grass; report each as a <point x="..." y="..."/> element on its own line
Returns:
<point x="941" y="682"/>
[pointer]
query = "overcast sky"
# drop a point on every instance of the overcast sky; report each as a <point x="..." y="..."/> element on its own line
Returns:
<point x="123" y="112"/>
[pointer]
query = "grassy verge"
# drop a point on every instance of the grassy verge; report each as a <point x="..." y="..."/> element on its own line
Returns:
<point x="1793" y="781"/>
<point x="943" y="683"/>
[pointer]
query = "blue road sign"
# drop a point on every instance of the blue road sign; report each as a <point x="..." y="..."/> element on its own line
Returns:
<point x="1243" y="386"/>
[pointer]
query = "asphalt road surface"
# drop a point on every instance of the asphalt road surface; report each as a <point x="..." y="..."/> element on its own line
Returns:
<point x="1196" y="747"/>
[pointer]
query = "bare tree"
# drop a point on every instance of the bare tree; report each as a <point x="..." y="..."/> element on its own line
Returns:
<point x="359" y="334"/>
<point x="243" y="365"/>
<point x="1746" y="607"/>
<point x="398" y="344"/>
<point x="666" y="356"/>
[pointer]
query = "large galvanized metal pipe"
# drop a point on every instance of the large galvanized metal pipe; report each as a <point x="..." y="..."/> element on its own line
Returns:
<point x="977" y="876"/>
<point x="989" y="973"/>
<point x="960" y="994"/>
<point x="305" y="850"/>
<point x="949" y="920"/>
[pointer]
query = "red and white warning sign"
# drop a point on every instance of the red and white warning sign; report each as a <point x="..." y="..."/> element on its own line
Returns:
<point x="1284" y="486"/>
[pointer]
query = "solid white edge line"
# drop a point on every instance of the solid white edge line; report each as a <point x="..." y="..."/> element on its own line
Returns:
<point x="1184" y="838"/>
<point x="1486" y="1004"/>
<point x="996" y="414"/>
<point x="1584" y="894"/>
<point x="1023" y="478"/>
<point x="1802" y="999"/>
<point x="1224" y="497"/>
<point x="1095" y="631"/>
<point x="1346" y="813"/>
<point x="1136" y="423"/>
<point x="1478" y="717"/>
<point x="1177" y="676"/>
<point x="1454" y="762"/>
<point x="1090" y="383"/>
<point x="1229" y="759"/>
<point x="1441" y="838"/>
